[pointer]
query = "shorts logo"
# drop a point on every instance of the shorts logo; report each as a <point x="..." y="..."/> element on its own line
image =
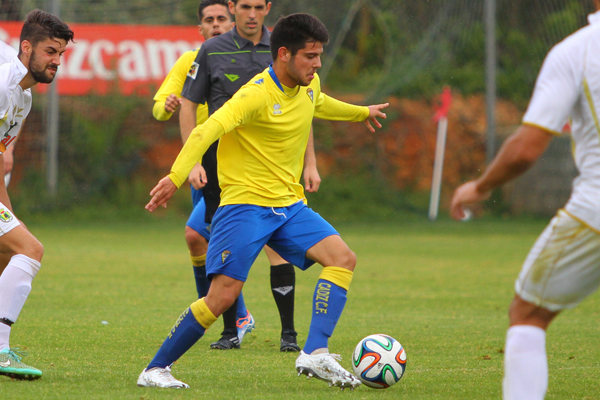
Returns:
<point x="310" y="94"/>
<point x="225" y="255"/>
<point x="5" y="215"/>
<point x="193" y="70"/>
<point x="277" y="109"/>
<point x="232" y="77"/>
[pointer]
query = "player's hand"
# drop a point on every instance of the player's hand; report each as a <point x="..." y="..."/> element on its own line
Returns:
<point x="312" y="179"/>
<point x="171" y="103"/>
<point x="197" y="177"/>
<point x="374" y="113"/>
<point x="466" y="194"/>
<point x="161" y="194"/>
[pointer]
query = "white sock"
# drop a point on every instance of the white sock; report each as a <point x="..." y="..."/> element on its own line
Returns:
<point x="525" y="363"/>
<point x="4" y="336"/>
<point x="15" y="285"/>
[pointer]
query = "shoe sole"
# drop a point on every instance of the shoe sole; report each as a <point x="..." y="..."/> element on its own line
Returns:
<point x="311" y="374"/>
<point x="289" y="348"/>
<point x="215" y="346"/>
<point x="21" y="377"/>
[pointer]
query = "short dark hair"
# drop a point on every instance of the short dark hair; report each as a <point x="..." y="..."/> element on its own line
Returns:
<point x="266" y="2"/>
<point x="295" y="30"/>
<point x="207" y="3"/>
<point x="40" y="25"/>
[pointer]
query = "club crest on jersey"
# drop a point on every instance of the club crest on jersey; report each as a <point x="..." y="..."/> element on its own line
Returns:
<point x="310" y="94"/>
<point x="5" y="215"/>
<point x="193" y="70"/>
<point x="277" y="109"/>
<point x="225" y="255"/>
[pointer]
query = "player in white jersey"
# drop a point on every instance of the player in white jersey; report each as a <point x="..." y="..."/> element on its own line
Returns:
<point x="563" y="267"/>
<point x="43" y="40"/>
<point x="7" y="53"/>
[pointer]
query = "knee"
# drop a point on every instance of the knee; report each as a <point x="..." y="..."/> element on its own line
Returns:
<point x="195" y="241"/>
<point x="35" y="249"/>
<point x="348" y="260"/>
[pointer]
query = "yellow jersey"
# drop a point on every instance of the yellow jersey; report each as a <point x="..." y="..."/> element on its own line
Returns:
<point x="265" y="128"/>
<point x="173" y="84"/>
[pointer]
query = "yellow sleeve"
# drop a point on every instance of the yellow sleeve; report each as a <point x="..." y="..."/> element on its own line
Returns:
<point x="199" y="141"/>
<point x="335" y="110"/>
<point x="240" y="109"/>
<point x="173" y="84"/>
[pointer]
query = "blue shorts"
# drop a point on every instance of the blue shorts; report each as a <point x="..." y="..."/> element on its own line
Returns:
<point x="240" y="231"/>
<point x="196" y="219"/>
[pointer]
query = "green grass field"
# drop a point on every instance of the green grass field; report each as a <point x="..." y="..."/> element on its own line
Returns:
<point x="442" y="289"/>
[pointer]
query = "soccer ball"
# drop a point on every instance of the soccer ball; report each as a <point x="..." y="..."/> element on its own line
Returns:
<point x="379" y="361"/>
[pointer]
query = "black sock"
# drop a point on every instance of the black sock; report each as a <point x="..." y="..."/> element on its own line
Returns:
<point x="283" y="284"/>
<point x="229" y="320"/>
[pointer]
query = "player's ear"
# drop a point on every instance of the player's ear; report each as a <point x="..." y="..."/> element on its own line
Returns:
<point x="200" y="31"/>
<point x="231" y="6"/>
<point x="284" y="54"/>
<point x="268" y="8"/>
<point x="26" y="47"/>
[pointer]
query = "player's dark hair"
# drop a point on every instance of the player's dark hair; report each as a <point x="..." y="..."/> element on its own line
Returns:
<point x="295" y="30"/>
<point x="207" y="3"/>
<point x="40" y="25"/>
<point x="266" y="2"/>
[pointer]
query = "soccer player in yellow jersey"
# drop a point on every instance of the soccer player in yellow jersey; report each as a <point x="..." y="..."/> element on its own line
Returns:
<point x="214" y="19"/>
<point x="264" y="130"/>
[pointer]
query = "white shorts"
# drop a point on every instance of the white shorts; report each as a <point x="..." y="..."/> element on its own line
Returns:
<point x="563" y="267"/>
<point x="7" y="220"/>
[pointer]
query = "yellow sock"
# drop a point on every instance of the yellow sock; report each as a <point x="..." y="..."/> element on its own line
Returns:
<point x="338" y="276"/>
<point x="202" y="313"/>
<point x="198" y="261"/>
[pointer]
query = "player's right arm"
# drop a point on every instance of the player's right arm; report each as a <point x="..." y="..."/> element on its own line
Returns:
<point x="240" y="109"/>
<point x="556" y="91"/>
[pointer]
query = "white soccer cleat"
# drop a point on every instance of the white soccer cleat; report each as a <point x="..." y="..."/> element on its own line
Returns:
<point x="325" y="366"/>
<point x="160" y="377"/>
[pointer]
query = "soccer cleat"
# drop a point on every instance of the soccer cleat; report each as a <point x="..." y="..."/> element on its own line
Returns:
<point x="325" y="366"/>
<point x="227" y="342"/>
<point x="244" y="325"/>
<point x="288" y="341"/>
<point x="161" y="378"/>
<point x="11" y="366"/>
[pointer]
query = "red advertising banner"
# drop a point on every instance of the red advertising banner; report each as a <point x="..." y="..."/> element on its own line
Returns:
<point x="110" y="58"/>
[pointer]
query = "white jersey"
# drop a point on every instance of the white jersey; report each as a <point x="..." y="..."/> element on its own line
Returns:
<point x="7" y="52"/>
<point x="568" y="86"/>
<point x="15" y="103"/>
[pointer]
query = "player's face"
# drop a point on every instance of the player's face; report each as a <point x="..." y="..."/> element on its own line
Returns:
<point x="250" y="17"/>
<point x="302" y="67"/>
<point x="215" y="21"/>
<point x="45" y="59"/>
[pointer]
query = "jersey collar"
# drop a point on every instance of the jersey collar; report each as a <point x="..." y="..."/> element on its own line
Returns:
<point x="594" y="18"/>
<point x="243" y="42"/>
<point x="275" y="78"/>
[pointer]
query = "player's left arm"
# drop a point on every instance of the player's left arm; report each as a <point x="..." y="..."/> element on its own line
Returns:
<point x="4" y="199"/>
<point x="332" y="109"/>
<point x="517" y="154"/>
<point x="312" y="179"/>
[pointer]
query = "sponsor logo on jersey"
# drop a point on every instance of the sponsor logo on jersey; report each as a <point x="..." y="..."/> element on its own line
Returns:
<point x="232" y="77"/>
<point x="310" y="94"/>
<point x="277" y="109"/>
<point x="5" y="215"/>
<point x="193" y="70"/>
<point x="260" y="81"/>
<point x="225" y="255"/>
